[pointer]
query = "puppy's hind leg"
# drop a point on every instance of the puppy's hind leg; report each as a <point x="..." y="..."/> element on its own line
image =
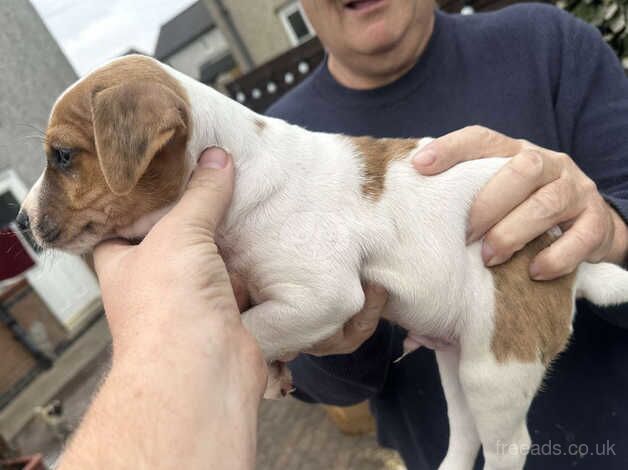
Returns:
<point x="464" y="440"/>
<point x="499" y="395"/>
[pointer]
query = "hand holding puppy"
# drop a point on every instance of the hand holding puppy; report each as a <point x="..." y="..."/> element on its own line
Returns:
<point x="184" y="368"/>
<point x="537" y="190"/>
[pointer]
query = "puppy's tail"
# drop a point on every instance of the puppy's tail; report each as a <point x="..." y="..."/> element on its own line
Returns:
<point x="604" y="284"/>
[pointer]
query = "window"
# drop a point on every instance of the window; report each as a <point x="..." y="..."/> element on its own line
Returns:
<point x="296" y="23"/>
<point x="9" y="206"/>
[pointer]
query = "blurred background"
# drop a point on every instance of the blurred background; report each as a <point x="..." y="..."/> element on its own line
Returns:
<point x="54" y="343"/>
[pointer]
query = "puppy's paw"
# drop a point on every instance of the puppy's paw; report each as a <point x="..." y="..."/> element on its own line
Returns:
<point x="279" y="382"/>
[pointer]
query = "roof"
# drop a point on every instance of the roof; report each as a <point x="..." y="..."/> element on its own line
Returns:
<point x="183" y="29"/>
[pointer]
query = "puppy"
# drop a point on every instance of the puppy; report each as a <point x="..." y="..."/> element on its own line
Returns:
<point x="312" y="216"/>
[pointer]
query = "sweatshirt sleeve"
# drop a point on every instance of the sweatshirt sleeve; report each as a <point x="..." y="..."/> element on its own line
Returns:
<point x="592" y="110"/>
<point x="347" y="379"/>
<point x="591" y="105"/>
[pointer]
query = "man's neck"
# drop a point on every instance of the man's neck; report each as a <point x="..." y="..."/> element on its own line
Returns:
<point x="377" y="70"/>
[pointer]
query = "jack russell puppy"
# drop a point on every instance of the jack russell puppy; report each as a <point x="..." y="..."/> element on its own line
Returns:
<point x="313" y="215"/>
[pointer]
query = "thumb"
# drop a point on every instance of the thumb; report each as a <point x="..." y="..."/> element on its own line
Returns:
<point x="209" y="191"/>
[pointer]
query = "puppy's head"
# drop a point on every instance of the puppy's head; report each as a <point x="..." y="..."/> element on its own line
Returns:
<point x="115" y="152"/>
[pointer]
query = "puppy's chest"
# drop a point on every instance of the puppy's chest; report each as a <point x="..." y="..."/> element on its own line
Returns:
<point x="241" y="265"/>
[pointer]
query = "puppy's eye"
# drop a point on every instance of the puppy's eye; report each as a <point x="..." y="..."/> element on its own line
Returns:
<point x="62" y="158"/>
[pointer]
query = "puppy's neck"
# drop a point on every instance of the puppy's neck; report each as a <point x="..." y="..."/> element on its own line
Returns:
<point x="256" y="144"/>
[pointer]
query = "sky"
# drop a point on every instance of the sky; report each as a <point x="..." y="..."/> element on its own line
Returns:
<point x="91" y="32"/>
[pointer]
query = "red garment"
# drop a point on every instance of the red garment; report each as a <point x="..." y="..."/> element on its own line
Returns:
<point x="14" y="259"/>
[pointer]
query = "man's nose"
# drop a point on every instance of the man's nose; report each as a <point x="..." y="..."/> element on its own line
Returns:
<point x="22" y="221"/>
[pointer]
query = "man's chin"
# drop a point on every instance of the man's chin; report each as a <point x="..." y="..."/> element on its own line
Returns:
<point x="375" y="41"/>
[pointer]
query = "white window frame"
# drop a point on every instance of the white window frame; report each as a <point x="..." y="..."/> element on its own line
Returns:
<point x="68" y="287"/>
<point x="287" y="10"/>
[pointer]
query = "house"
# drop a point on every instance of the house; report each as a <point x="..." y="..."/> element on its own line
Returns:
<point x="260" y="31"/>
<point x="193" y="44"/>
<point x="46" y="300"/>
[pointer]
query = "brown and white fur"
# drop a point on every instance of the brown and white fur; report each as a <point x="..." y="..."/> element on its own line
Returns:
<point x="313" y="215"/>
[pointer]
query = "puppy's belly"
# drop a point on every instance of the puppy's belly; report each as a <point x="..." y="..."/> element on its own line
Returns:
<point x="422" y="330"/>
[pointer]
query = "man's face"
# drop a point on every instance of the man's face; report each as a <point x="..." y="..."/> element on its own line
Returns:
<point x="362" y="27"/>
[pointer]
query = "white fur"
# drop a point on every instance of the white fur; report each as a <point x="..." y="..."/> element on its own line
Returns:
<point x="603" y="284"/>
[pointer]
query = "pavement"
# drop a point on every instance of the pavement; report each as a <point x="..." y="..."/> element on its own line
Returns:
<point x="292" y="435"/>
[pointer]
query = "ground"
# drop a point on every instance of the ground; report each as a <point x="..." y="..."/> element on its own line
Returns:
<point x="292" y="435"/>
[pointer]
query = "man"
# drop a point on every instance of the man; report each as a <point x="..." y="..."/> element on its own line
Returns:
<point x="558" y="98"/>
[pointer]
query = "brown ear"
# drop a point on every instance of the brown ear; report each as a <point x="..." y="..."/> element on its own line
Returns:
<point x="132" y="122"/>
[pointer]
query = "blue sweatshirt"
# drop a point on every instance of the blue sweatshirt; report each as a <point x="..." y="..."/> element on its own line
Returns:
<point x="528" y="71"/>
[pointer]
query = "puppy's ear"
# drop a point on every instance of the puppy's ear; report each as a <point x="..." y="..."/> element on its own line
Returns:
<point x="132" y="122"/>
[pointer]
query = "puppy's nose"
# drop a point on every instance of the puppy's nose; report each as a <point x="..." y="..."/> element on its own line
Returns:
<point x="22" y="221"/>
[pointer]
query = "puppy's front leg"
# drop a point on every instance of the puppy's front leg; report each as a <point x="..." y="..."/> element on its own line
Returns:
<point x="283" y="328"/>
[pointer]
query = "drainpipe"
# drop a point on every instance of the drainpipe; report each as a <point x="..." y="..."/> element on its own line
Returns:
<point x="223" y="19"/>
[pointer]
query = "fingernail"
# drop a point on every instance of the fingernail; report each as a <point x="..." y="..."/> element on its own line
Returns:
<point x="535" y="272"/>
<point x="488" y="254"/>
<point x="213" y="157"/>
<point x="425" y="157"/>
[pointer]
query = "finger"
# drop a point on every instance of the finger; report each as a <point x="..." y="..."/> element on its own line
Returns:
<point x="363" y="324"/>
<point x="549" y="206"/>
<point x="573" y="247"/>
<point x="528" y="171"/>
<point x="107" y="256"/>
<point x="209" y="191"/>
<point x="465" y="144"/>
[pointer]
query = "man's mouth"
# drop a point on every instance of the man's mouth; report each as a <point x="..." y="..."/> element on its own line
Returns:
<point x="362" y="5"/>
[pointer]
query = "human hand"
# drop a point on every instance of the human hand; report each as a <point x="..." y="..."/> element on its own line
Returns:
<point x="173" y="289"/>
<point x="537" y="190"/>
<point x="184" y="369"/>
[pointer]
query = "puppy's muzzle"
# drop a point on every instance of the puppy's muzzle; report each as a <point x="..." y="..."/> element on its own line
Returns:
<point x="47" y="229"/>
<point x="44" y="228"/>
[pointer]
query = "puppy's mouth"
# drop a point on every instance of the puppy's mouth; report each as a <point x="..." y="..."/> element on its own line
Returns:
<point x="79" y="242"/>
<point x="50" y="236"/>
<point x="362" y="5"/>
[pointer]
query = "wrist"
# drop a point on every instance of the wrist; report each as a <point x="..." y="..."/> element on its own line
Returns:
<point x="619" y="249"/>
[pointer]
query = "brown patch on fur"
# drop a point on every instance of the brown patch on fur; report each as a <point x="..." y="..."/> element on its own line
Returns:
<point x="532" y="318"/>
<point x="127" y="124"/>
<point x="377" y="154"/>
<point x="261" y="125"/>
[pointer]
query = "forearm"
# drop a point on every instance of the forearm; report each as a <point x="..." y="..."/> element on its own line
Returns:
<point x="167" y="408"/>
